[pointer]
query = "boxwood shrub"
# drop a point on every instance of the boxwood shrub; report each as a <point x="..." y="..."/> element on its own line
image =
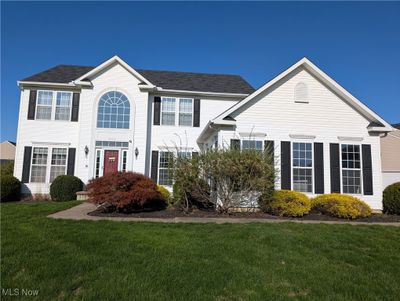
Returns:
<point x="164" y="192"/>
<point x="341" y="205"/>
<point x="391" y="199"/>
<point x="64" y="188"/>
<point x="286" y="203"/>
<point x="10" y="188"/>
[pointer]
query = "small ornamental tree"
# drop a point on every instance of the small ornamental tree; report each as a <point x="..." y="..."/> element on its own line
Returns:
<point x="126" y="191"/>
<point x="224" y="178"/>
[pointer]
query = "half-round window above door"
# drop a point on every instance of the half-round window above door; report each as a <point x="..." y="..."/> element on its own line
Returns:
<point x="113" y="111"/>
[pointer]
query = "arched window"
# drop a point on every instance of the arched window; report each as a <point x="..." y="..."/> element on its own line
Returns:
<point x="113" y="111"/>
<point x="301" y="93"/>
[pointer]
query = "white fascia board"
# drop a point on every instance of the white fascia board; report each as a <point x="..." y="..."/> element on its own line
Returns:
<point x="379" y="129"/>
<point x="114" y="59"/>
<point x="201" y="93"/>
<point x="205" y="133"/>
<point x="306" y="63"/>
<point x="42" y="84"/>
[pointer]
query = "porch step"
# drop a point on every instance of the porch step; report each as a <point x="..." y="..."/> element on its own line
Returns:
<point x="82" y="195"/>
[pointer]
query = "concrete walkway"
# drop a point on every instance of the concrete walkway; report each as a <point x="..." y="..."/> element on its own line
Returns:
<point x="81" y="211"/>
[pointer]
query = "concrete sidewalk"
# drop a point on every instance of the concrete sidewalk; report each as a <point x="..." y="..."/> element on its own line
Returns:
<point x="81" y="211"/>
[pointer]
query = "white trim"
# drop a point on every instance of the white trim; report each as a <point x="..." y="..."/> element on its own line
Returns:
<point x="252" y="135"/>
<point x="188" y="92"/>
<point x="109" y="62"/>
<point x="42" y="84"/>
<point x="307" y="137"/>
<point x="34" y="143"/>
<point x="304" y="62"/>
<point x="343" y="138"/>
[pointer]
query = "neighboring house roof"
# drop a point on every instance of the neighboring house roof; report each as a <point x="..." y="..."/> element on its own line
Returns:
<point x="377" y="123"/>
<point x="396" y="125"/>
<point x="169" y="80"/>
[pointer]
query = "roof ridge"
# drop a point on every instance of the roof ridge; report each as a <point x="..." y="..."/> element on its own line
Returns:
<point x="187" y="72"/>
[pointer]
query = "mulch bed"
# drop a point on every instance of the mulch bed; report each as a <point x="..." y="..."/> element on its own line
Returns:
<point x="172" y="213"/>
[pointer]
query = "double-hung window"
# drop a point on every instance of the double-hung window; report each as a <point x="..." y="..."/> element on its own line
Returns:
<point x="302" y="167"/>
<point x="164" y="168"/>
<point x="53" y="105"/>
<point x="252" y="145"/>
<point x="351" y="169"/>
<point x="176" y="111"/>
<point x="58" y="163"/>
<point x="39" y="165"/>
<point x="44" y="104"/>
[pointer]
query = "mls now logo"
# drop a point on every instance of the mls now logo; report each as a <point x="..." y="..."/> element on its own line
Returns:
<point x="18" y="292"/>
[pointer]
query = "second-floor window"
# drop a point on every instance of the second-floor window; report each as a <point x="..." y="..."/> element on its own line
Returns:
<point x="176" y="111"/>
<point x="53" y="105"/>
<point x="113" y="111"/>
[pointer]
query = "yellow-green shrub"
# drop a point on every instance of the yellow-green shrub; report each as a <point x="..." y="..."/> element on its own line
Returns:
<point x="287" y="203"/>
<point x="341" y="205"/>
<point x="164" y="192"/>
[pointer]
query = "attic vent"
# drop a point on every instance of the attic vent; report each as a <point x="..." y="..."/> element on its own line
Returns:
<point x="301" y="93"/>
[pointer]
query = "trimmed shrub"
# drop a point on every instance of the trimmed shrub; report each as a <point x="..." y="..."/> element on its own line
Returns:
<point x="10" y="188"/>
<point x="285" y="203"/>
<point x="196" y="192"/>
<point x="64" y="188"/>
<point x="126" y="191"/>
<point x="391" y="199"/>
<point x="340" y="205"/>
<point x="164" y="192"/>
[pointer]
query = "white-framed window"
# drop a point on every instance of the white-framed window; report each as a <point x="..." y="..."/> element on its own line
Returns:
<point x="45" y="168"/>
<point x="113" y="111"/>
<point x="44" y="104"/>
<point x="164" y="168"/>
<point x="53" y="105"/>
<point x="63" y="106"/>
<point x="351" y="168"/>
<point x="176" y="111"/>
<point x="39" y="164"/>
<point x="124" y="159"/>
<point x="302" y="166"/>
<point x="58" y="163"/>
<point x="252" y="145"/>
<point x="185" y="111"/>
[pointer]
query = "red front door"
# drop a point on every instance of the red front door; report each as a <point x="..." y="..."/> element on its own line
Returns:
<point x="110" y="161"/>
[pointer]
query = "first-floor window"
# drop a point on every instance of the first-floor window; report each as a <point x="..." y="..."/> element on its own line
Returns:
<point x="351" y="168"/>
<point x="39" y="165"/>
<point x="252" y="145"/>
<point x="164" y="168"/>
<point x="58" y="163"/>
<point x="302" y="166"/>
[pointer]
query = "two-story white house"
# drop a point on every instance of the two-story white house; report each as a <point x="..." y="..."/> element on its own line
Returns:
<point x="89" y="121"/>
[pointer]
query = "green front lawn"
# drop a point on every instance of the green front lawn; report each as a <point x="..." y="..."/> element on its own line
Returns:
<point x="106" y="260"/>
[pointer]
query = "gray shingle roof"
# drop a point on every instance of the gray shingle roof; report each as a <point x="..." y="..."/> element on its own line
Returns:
<point x="188" y="81"/>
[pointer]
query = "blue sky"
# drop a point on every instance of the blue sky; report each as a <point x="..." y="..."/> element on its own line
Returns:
<point x="358" y="44"/>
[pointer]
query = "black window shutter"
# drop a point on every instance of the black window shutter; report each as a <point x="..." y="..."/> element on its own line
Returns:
<point x="26" y="167"/>
<point x="335" y="167"/>
<point x="196" y="113"/>
<point x="235" y="144"/>
<point x="154" y="165"/>
<point x="157" y="110"/>
<point x="32" y="104"/>
<point x="319" y="167"/>
<point x="367" y="169"/>
<point x="285" y="165"/>
<point x="71" y="161"/>
<point x="75" y="107"/>
<point x="269" y="147"/>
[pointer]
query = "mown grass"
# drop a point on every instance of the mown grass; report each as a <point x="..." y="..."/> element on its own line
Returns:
<point x="105" y="260"/>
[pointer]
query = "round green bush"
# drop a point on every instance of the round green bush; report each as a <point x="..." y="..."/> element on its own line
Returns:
<point x="341" y="205"/>
<point x="391" y="199"/>
<point x="64" y="188"/>
<point x="10" y="188"/>
<point x="164" y="192"/>
<point x="286" y="203"/>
